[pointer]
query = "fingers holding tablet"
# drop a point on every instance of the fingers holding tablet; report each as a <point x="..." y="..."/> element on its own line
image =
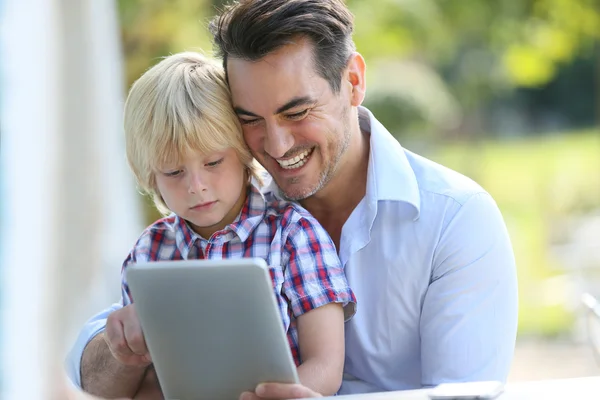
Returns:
<point x="125" y="338"/>
<point x="276" y="390"/>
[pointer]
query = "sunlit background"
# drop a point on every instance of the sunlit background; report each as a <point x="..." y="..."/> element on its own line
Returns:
<point x="506" y="92"/>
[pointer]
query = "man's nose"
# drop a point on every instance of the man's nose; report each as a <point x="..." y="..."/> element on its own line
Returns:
<point x="278" y="140"/>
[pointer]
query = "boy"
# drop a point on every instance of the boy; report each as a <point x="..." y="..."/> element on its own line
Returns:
<point x="186" y="149"/>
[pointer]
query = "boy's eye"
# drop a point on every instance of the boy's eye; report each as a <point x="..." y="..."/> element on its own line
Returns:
<point x="173" y="173"/>
<point x="215" y="163"/>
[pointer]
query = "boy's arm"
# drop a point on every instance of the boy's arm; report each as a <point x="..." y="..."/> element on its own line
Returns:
<point x="321" y="300"/>
<point x="321" y="342"/>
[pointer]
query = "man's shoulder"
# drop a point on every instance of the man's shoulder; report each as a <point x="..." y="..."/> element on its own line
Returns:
<point x="438" y="180"/>
<point x="403" y="174"/>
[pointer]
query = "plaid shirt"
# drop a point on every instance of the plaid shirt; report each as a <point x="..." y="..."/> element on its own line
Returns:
<point x="302" y="259"/>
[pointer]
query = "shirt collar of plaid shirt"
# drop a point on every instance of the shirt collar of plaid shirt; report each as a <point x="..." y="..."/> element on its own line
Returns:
<point x="252" y="214"/>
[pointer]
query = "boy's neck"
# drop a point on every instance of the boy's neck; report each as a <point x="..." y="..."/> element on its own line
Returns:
<point x="208" y="231"/>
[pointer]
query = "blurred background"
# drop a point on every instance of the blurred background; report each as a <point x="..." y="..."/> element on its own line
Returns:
<point x="506" y="92"/>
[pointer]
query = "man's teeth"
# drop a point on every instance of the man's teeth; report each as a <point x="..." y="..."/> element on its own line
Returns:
<point x="295" y="162"/>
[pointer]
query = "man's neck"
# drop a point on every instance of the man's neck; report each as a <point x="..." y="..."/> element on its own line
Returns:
<point x="333" y="204"/>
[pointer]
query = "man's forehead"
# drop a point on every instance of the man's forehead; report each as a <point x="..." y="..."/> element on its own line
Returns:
<point x="296" y="52"/>
<point x="272" y="82"/>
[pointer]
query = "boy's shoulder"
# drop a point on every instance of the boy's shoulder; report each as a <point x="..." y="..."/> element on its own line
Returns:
<point x="163" y="229"/>
<point x="288" y="212"/>
<point x="163" y="224"/>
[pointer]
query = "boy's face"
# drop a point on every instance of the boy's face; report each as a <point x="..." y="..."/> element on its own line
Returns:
<point x="208" y="191"/>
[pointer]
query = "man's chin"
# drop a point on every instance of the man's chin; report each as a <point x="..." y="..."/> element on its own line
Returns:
<point x="297" y="193"/>
<point x="298" y="188"/>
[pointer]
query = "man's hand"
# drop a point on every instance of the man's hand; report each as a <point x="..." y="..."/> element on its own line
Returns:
<point x="125" y="338"/>
<point x="279" y="391"/>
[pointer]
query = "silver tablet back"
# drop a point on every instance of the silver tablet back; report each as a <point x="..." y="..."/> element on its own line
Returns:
<point x="213" y="327"/>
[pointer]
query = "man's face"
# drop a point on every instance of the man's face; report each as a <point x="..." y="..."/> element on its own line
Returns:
<point x="295" y="126"/>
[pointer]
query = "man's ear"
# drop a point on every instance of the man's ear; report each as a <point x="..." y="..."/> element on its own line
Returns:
<point x="355" y="76"/>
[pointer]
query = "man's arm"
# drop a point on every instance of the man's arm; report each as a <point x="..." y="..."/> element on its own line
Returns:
<point x="92" y="327"/>
<point x="103" y="375"/>
<point x="469" y="317"/>
<point x="114" y="363"/>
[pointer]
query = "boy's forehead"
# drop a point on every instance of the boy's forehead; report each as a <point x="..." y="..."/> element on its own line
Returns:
<point x="176" y="157"/>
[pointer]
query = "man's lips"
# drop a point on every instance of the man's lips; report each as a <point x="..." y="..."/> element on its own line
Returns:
<point x="291" y="165"/>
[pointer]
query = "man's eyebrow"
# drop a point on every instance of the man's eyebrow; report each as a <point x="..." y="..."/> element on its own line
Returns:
<point x="295" y="102"/>
<point x="241" y="111"/>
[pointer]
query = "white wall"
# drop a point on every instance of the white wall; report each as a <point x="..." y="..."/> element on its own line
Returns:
<point x="70" y="212"/>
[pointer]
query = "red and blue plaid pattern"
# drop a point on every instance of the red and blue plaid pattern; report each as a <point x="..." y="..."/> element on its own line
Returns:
<point x="302" y="259"/>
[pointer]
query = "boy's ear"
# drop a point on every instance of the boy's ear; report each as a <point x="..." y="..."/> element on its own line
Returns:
<point x="355" y="76"/>
<point x="248" y="174"/>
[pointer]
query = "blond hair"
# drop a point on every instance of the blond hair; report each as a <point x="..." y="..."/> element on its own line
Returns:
<point x="181" y="104"/>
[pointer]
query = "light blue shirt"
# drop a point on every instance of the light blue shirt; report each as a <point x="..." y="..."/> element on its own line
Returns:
<point x="428" y="256"/>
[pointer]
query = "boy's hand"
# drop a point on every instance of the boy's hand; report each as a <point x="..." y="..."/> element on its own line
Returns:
<point x="125" y="338"/>
<point x="280" y="391"/>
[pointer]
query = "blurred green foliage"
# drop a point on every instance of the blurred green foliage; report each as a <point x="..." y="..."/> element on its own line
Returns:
<point x="435" y="68"/>
<point x="514" y="42"/>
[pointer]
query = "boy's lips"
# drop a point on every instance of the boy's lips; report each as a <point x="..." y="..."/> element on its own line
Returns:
<point x="201" y="206"/>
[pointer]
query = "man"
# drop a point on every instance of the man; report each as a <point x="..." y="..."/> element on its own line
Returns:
<point x="424" y="248"/>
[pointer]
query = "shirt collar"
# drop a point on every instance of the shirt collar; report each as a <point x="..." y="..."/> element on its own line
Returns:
<point x="390" y="175"/>
<point x="251" y="215"/>
<point x="185" y="237"/>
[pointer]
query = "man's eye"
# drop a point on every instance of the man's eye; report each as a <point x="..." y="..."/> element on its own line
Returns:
<point x="249" y="122"/>
<point x="215" y="163"/>
<point x="297" y="115"/>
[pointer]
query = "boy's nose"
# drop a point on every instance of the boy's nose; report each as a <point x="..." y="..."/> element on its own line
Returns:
<point x="196" y="184"/>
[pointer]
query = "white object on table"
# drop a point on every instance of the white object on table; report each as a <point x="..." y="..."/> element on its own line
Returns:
<point x="560" y="389"/>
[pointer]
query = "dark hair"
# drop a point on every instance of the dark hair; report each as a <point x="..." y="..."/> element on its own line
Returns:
<point x="251" y="29"/>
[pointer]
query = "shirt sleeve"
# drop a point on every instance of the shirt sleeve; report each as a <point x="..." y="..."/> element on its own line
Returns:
<point x="469" y="316"/>
<point x="97" y="323"/>
<point x="146" y="249"/>
<point x="314" y="276"/>
<point x="92" y="327"/>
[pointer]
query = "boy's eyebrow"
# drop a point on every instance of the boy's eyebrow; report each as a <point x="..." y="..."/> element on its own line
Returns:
<point x="295" y="102"/>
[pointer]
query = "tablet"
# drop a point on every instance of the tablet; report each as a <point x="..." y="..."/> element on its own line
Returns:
<point x="213" y="327"/>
